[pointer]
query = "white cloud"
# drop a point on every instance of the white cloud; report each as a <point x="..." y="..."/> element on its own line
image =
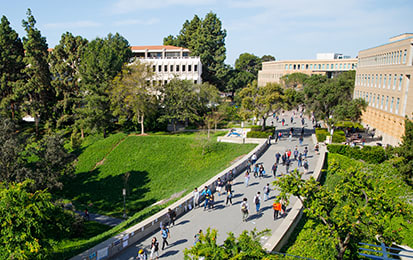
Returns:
<point x="71" y="25"/>
<point x="137" y="21"/>
<point x="126" y="6"/>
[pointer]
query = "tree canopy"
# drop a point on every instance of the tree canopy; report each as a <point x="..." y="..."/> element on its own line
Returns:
<point x="249" y="63"/>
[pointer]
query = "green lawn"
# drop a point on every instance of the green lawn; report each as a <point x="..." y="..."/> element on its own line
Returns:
<point x="159" y="166"/>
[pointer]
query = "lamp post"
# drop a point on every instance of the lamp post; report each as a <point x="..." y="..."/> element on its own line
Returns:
<point x="124" y="201"/>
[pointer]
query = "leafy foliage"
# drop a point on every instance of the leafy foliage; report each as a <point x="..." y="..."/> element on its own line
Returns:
<point x="405" y="151"/>
<point x="321" y="134"/>
<point x="369" y="154"/>
<point x="294" y="80"/>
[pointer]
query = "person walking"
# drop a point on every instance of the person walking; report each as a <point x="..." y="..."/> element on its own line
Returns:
<point x="276" y="136"/>
<point x="249" y="165"/>
<point x="284" y="158"/>
<point x="256" y="170"/>
<point x="165" y="235"/>
<point x="287" y="165"/>
<point x="289" y="154"/>
<point x="254" y="158"/>
<point x="207" y="193"/>
<point x="220" y="184"/>
<point x="154" y="249"/>
<point x="283" y="122"/>
<point x="197" y="236"/>
<point x="305" y="152"/>
<point x="302" y="121"/>
<point x="247" y="178"/>
<point x="195" y="193"/>
<point x="87" y="217"/>
<point x="244" y="209"/>
<point x="300" y="160"/>
<point x="295" y="153"/>
<point x="274" y="169"/>
<point x="283" y="207"/>
<point x="261" y="171"/>
<point x="229" y="197"/>
<point x="276" y="207"/>
<point x="292" y="119"/>
<point x="301" y="140"/>
<point x="305" y="166"/>
<point x="290" y="137"/>
<point x="257" y="201"/>
<point x="171" y="216"/>
<point x="266" y="190"/>
<point x="277" y="157"/>
<point x="230" y="175"/>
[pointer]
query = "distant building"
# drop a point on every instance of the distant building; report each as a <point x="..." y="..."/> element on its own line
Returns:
<point x="169" y="61"/>
<point x="383" y="80"/>
<point x="329" y="64"/>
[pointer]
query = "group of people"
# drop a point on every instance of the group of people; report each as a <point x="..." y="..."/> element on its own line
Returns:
<point x="154" y="249"/>
<point x="287" y="158"/>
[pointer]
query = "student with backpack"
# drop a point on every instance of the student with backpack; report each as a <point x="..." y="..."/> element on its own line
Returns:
<point x="277" y="157"/>
<point x="207" y="192"/>
<point x="244" y="209"/>
<point x="171" y="216"/>
<point x="142" y="255"/>
<point x="154" y="248"/>
<point x="165" y="235"/>
<point x="257" y="201"/>
<point x="228" y="189"/>
<point x="197" y="236"/>
<point x="274" y="169"/>
<point x="305" y="166"/>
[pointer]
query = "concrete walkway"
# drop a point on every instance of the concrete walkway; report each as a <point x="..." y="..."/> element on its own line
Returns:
<point x="227" y="218"/>
<point x="106" y="220"/>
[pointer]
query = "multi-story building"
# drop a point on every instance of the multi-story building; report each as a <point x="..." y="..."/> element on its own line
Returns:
<point x="329" y="64"/>
<point x="383" y="80"/>
<point x="169" y="62"/>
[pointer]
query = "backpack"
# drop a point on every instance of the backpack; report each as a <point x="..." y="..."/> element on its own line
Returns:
<point x="165" y="232"/>
<point x="244" y="208"/>
<point x="257" y="200"/>
<point x="266" y="190"/>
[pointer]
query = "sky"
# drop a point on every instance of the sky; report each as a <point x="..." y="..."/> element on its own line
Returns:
<point x="285" y="29"/>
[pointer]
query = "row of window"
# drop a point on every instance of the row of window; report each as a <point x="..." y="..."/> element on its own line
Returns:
<point x="162" y="82"/>
<point x="337" y="66"/>
<point x="380" y="81"/>
<point x="394" y="57"/>
<point x="380" y="101"/>
<point x="172" y="67"/>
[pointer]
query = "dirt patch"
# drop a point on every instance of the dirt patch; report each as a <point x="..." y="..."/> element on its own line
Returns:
<point x="104" y="158"/>
<point x="173" y="196"/>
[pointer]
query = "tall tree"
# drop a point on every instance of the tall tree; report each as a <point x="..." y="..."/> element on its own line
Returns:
<point x="131" y="95"/>
<point x="405" y="150"/>
<point x="11" y="67"/>
<point x="102" y="60"/>
<point x="64" y="62"/>
<point x="248" y="62"/>
<point x="206" y="39"/>
<point x="179" y="101"/>
<point x="37" y="91"/>
<point x="266" y="58"/>
<point x="294" y="80"/>
<point x="237" y="79"/>
<point x="259" y="102"/>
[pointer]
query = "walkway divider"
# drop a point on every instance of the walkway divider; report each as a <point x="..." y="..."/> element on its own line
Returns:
<point x="118" y="243"/>
<point x="281" y="235"/>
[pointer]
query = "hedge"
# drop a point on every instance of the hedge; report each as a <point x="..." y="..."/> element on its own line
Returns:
<point x="270" y="129"/>
<point x="339" y="136"/>
<point x="321" y="134"/>
<point x="258" y="134"/>
<point x="369" y="154"/>
<point x="348" y="124"/>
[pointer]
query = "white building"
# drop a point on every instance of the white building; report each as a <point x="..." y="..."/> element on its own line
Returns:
<point x="169" y="62"/>
<point x="331" y="56"/>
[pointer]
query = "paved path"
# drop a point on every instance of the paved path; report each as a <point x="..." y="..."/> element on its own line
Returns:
<point x="228" y="218"/>
<point x="102" y="219"/>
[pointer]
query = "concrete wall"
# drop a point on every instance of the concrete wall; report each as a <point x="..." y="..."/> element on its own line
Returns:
<point x="114" y="245"/>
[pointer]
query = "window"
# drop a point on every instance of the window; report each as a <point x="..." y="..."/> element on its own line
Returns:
<point x="327" y="66"/>
<point x="382" y="101"/>
<point x="387" y="103"/>
<point x="189" y="67"/>
<point x="377" y="79"/>
<point x="298" y="66"/>
<point x="345" y="65"/>
<point x="306" y="66"/>
<point x="352" y="66"/>
<point x="154" y="68"/>
<point x="391" y="106"/>
<point x="165" y="68"/>
<point x="397" y="106"/>
<point x="380" y="82"/>
<point x="286" y="66"/>
<point x="323" y="66"/>
<point x="177" y="68"/>
<point x="183" y="68"/>
<point x="367" y="98"/>
<point x="368" y="81"/>
<point x="400" y="81"/>
<point x="195" y="81"/>
<point x="295" y="67"/>
<point x="336" y="65"/>
<point x="385" y="81"/>
<point x="400" y="57"/>
<point x="374" y="100"/>
<point x="171" y="68"/>
<point x="378" y="101"/>
<point x="389" y="81"/>
<point x="341" y="65"/>
<point x="311" y="66"/>
<point x="291" y="66"/>
<point x="394" y="81"/>
<point x="404" y="56"/>
<point x="159" y="68"/>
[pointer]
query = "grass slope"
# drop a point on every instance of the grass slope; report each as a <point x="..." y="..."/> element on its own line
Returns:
<point x="159" y="166"/>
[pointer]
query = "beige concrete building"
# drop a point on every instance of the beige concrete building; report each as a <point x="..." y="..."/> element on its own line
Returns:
<point x="383" y="80"/>
<point x="329" y="64"/>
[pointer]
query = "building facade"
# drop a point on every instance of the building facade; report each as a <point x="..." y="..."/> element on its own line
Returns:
<point x="383" y="80"/>
<point x="329" y="64"/>
<point x="169" y="62"/>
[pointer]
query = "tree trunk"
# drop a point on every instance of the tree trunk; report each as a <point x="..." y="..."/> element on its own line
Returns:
<point x="141" y="122"/>
<point x="209" y="129"/>
<point x="174" y="124"/>
<point x="104" y="132"/>
<point x="82" y="133"/>
<point x="36" y="122"/>
<point x="263" y="124"/>
<point x="215" y="127"/>
<point x="12" y="110"/>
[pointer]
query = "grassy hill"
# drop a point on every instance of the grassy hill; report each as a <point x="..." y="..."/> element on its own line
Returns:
<point x="158" y="166"/>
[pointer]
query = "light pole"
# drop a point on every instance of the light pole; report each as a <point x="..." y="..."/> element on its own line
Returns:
<point x="124" y="201"/>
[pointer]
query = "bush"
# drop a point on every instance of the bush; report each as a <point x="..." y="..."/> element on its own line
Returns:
<point x="321" y="134"/>
<point x="258" y="134"/>
<point x="348" y="124"/>
<point x="269" y="129"/>
<point x="369" y="154"/>
<point x="339" y="136"/>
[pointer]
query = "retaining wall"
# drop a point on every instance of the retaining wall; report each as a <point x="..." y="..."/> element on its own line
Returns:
<point x="118" y="243"/>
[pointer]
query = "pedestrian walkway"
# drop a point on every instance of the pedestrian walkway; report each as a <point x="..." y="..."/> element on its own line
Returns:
<point x="105" y="220"/>
<point x="229" y="218"/>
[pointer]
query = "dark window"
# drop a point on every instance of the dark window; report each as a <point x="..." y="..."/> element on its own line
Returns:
<point x="165" y="68"/>
<point x="154" y="68"/>
<point x="195" y="81"/>
<point x="183" y="67"/>
<point x="189" y="67"/>
<point x="195" y="67"/>
<point x="177" y="67"/>
<point x="172" y="68"/>
<point x="159" y="68"/>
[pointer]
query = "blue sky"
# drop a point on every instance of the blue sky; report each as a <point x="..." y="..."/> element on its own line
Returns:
<point x="286" y="29"/>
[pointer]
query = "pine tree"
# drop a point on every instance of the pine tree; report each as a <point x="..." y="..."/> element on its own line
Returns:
<point x="64" y="65"/>
<point x="37" y="91"/>
<point x="11" y="66"/>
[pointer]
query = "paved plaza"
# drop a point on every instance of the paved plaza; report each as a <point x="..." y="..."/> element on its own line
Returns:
<point x="227" y="218"/>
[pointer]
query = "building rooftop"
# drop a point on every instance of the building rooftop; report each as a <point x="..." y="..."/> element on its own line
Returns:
<point x="157" y="48"/>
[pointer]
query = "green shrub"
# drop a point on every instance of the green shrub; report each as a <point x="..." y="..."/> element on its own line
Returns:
<point x="339" y="136"/>
<point x="321" y="134"/>
<point x="267" y="128"/>
<point x="258" y="134"/>
<point x="370" y="154"/>
<point x="348" y="124"/>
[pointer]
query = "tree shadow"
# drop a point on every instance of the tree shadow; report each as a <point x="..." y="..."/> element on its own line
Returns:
<point x="87" y="189"/>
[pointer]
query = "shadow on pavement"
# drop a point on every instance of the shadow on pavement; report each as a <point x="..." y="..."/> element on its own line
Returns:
<point x="183" y="222"/>
<point x="170" y="253"/>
